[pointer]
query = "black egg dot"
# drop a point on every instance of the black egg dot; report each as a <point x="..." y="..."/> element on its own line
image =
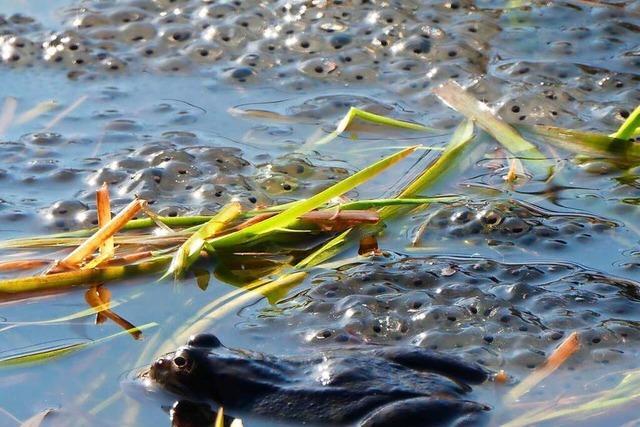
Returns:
<point x="286" y="187"/>
<point x="515" y="109"/>
<point x="624" y="114"/>
<point x="304" y="45"/>
<point x="318" y="69"/>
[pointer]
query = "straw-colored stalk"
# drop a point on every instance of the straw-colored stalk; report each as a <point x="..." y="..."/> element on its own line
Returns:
<point x="103" y="205"/>
<point x="89" y="246"/>
<point x="565" y="350"/>
<point x="82" y="277"/>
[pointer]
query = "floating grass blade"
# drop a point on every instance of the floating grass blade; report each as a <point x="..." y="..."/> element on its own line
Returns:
<point x="460" y="100"/>
<point x="54" y="352"/>
<point x="41" y="108"/>
<point x="285" y="218"/>
<point x="354" y="113"/>
<point x="190" y="250"/>
<point x="626" y="392"/>
<point x="7" y="113"/>
<point x="592" y="142"/>
<point x="74" y="316"/>
<point x="459" y="140"/>
<point x="628" y="128"/>
<point x="64" y="113"/>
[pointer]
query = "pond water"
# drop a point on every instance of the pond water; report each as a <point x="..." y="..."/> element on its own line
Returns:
<point x="192" y="104"/>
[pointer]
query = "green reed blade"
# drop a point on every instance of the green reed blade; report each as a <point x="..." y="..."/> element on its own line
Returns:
<point x="453" y="95"/>
<point x="458" y="142"/>
<point x="592" y="142"/>
<point x="326" y="251"/>
<point x="354" y="113"/>
<point x="189" y="252"/>
<point x="77" y="315"/>
<point x="285" y="218"/>
<point x="42" y="355"/>
<point x="74" y="238"/>
<point x="628" y="129"/>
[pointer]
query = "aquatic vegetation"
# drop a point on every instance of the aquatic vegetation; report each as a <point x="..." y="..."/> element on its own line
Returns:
<point x="40" y="355"/>
<point x="195" y="106"/>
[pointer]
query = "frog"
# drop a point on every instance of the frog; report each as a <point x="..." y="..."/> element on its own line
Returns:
<point x="369" y="386"/>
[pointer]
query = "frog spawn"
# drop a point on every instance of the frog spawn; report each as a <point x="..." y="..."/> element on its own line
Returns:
<point x="506" y="225"/>
<point x="504" y="316"/>
<point x="197" y="179"/>
<point x="408" y="48"/>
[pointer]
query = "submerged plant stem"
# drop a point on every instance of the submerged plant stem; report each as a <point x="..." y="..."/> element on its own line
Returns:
<point x="82" y="277"/>
<point x="565" y="350"/>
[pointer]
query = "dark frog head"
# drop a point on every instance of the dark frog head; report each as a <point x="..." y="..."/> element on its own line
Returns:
<point x="186" y="370"/>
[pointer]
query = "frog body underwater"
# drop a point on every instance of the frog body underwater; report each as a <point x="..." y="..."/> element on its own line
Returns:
<point x="369" y="387"/>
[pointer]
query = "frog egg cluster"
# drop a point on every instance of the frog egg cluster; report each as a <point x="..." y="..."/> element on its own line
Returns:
<point x="194" y="178"/>
<point x="587" y="53"/>
<point x="505" y="316"/>
<point x="507" y="224"/>
<point x="176" y="172"/>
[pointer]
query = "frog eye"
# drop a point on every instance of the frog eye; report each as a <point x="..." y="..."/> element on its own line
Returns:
<point x="182" y="362"/>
